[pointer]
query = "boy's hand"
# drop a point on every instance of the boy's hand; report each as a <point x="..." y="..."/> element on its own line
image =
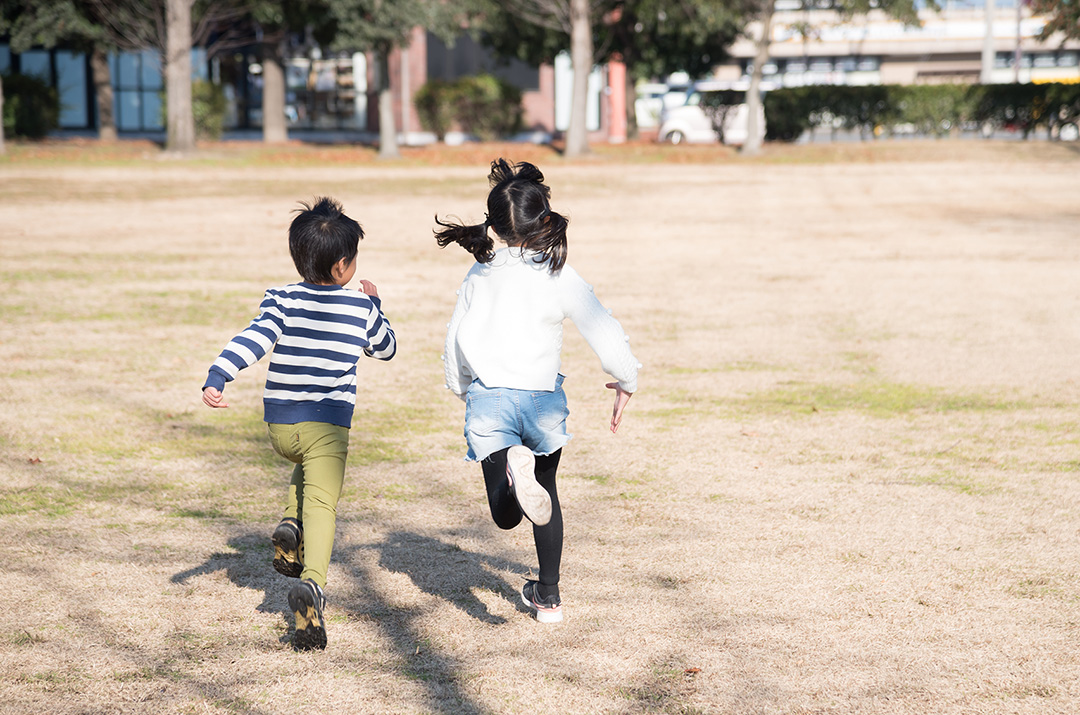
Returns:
<point x="212" y="398"/>
<point x="369" y="288"/>
<point x="621" y="398"/>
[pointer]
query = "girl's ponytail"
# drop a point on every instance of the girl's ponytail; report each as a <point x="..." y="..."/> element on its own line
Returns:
<point x="550" y="240"/>
<point x="473" y="239"/>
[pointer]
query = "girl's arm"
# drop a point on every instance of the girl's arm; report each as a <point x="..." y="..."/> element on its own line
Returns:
<point x="621" y="398"/>
<point x="244" y="350"/>
<point x="602" y="332"/>
<point x="458" y="377"/>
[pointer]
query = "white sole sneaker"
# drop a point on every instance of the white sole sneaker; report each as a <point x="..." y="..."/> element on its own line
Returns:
<point x="545" y="613"/>
<point x="533" y="499"/>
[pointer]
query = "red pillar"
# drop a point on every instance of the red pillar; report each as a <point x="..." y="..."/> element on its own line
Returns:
<point x="616" y="91"/>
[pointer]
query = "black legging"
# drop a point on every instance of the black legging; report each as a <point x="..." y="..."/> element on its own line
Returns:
<point x="507" y="514"/>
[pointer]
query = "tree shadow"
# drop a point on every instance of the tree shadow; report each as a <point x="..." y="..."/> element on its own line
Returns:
<point x="443" y="570"/>
<point x="448" y="572"/>
<point x="248" y="565"/>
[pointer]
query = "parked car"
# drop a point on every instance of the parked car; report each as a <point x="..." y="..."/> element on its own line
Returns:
<point x="688" y="122"/>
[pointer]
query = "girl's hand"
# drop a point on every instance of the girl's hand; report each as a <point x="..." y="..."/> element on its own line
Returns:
<point x="621" y="398"/>
<point x="369" y="288"/>
<point x="212" y="398"/>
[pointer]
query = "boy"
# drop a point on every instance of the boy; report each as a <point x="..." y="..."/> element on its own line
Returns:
<point x="317" y="331"/>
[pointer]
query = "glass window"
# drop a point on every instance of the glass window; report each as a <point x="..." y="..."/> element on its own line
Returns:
<point x="821" y="64"/>
<point x="151" y="110"/>
<point x="36" y="63"/>
<point x="71" y="81"/>
<point x="127" y="75"/>
<point x="128" y="111"/>
<point x="1068" y="59"/>
<point x="150" y="72"/>
<point x="796" y="66"/>
<point x="868" y="64"/>
<point x="1044" y="59"/>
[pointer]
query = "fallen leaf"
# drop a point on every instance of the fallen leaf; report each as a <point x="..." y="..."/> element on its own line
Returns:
<point x="692" y="671"/>
<point x="34" y="460"/>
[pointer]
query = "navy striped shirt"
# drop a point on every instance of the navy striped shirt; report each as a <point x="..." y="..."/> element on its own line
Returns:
<point x="317" y="334"/>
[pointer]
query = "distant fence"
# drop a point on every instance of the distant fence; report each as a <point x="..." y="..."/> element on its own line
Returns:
<point x="929" y="110"/>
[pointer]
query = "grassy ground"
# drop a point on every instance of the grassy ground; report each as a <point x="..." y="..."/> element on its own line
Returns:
<point x="849" y="483"/>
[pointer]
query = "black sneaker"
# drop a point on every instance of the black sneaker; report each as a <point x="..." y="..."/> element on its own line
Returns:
<point x="548" y="610"/>
<point x="307" y="602"/>
<point x="534" y="500"/>
<point x="288" y="541"/>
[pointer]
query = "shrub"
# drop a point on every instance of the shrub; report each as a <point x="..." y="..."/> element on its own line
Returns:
<point x="433" y="106"/>
<point x="787" y="114"/>
<point x="933" y="109"/>
<point x="718" y="105"/>
<point x="208" y="106"/>
<point x="31" y="107"/>
<point x="483" y="105"/>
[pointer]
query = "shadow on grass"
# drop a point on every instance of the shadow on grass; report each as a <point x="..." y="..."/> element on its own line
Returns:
<point x="247" y="565"/>
<point x="448" y="572"/>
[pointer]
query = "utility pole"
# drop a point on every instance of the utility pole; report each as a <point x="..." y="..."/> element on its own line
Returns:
<point x="987" y="73"/>
<point x="1019" y="52"/>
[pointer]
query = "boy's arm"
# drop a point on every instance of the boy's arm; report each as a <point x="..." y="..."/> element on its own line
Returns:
<point x="382" y="343"/>
<point x="245" y="349"/>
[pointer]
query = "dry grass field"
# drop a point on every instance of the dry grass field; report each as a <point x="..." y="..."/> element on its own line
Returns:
<point x="850" y="482"/>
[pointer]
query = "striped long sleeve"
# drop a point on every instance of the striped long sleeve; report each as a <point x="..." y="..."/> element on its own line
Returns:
<point x="315" y="335"/>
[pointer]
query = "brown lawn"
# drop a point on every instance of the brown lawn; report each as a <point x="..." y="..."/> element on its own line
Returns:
<point x="850" y="482"/>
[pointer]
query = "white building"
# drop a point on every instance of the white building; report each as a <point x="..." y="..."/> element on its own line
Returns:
<point x="875" y="49"/>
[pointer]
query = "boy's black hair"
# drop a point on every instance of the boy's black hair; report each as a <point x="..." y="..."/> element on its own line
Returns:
<point x="519" y="211"/>
<point x="320" y="236"/>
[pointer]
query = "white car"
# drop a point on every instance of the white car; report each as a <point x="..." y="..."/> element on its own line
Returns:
<point x="688" y="122"/>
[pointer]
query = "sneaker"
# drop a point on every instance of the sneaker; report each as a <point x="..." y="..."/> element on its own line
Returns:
<point x="534" y="500"/>
<point x="307" y="602"/>
<point x="548" y="610"/>
<point x="288" y="541"/>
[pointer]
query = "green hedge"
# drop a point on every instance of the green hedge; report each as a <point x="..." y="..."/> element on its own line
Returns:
<point x="927" y="109"/>
<point x="483" y="105"/>
<point x="31" y="107"/>
<point x="208" y="106"/>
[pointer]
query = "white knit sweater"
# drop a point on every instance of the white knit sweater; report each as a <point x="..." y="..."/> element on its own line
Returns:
<point x="507" y="326"/>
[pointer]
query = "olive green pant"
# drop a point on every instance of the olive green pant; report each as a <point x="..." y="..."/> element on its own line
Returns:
<point x="319" y="450"/>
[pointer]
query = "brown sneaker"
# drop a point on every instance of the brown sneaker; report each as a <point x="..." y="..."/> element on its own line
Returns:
<point x="288" y="541"/>
<point x="307" y="602"/>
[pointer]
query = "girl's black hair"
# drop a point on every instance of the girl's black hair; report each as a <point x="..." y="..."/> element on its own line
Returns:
<point x="319" y="237"/>
<point x="519" y="211"/>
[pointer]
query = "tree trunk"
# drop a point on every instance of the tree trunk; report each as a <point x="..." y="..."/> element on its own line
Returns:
<point x="752" y="145"/>
<point x="273" y="99"/>
<point x="632" y="131"/>
<point x="180" y="116"/>
<point x="388" y="143"/>
<point x="102" y="78"/>
<point x="3" y="145"/>
<point x="581" y="57"/>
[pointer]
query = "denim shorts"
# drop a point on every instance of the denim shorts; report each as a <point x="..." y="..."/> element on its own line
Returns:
<point x="501" y="417"/>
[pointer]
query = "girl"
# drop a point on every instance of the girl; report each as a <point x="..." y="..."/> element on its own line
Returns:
<point x="502" y="358"/>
